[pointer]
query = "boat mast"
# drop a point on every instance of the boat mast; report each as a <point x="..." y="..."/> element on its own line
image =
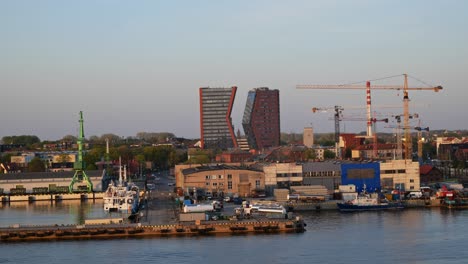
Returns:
<point x="120" y="171"/>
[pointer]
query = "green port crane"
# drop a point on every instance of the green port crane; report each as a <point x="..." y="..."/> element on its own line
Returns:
<point x="79" y="166"/>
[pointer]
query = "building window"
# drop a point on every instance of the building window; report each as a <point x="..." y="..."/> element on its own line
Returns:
<point x="229" y="176"/>
<point x="215" y="183"/>
<point x="220" y="176"/>
<point x="411" y="180"/>
<point x="401" y="171"/>
<point x="207" y="177"/>
<point x="411" y="187"/>
<point x="221" y="184"/>
<point x="213" y="177"/>
<point x="257" y="183"/>
<point x="229" y="185"/>
<point x="207" y="184"/>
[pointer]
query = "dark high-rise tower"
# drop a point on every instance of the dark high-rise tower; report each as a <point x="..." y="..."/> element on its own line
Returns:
<point x="261" y="119"/>
<point x="216" y="130"/>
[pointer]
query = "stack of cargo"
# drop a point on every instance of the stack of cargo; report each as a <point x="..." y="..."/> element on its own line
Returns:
<point x="281" y="195"/>
<point x="311" y="190"/>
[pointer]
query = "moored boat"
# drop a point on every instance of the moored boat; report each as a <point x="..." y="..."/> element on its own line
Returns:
<point x="368" y="202"/>
<point x="123" y="197"/>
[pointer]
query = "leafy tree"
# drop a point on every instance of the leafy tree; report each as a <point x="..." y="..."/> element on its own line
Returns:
<point x="26" y="140"/>
<point x="310" y="154"/>
<point x="328" y="154"/>
<point x="140" y="158"/>
<point x="6" y="158"/>
<point x="36" y="165"/>
<point x="95" y="140"/>
<point x="173" y="159"/>
<point x="92" y="156"/>
<point x="125" y="153"/>
<point x="162" y="156"/>
<point x="152" y="137"/>
<point x="327" y="143"/>
<point x="113" y="139"/>
<point x="69" y="138"/>
<point x="348" y="153"/>
<point x="199" y="159"/>
<point x="429" y="150"/>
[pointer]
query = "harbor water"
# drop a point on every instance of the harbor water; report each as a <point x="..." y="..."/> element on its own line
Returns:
<point x="409" y="236"/>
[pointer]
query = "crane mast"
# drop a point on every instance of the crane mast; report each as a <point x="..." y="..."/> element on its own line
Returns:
<point x="408" y="141"/>
<point x="337" y="117"/>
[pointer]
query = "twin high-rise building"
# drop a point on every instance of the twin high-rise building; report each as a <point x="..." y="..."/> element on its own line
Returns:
<point x="216" y="127"/>
<point x="261" y="121"/>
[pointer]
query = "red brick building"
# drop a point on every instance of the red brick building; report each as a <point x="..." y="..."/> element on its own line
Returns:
<point x="261" y="121"/>
<point x="235" y="156"/>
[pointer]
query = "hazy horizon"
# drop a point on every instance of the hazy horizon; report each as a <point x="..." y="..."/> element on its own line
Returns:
<point x="137" y="66"/>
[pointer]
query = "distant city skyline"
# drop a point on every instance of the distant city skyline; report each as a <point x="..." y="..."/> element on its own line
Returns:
<point x="137" y="66"/>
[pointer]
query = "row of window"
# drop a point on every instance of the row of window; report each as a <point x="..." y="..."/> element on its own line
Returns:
<point x="221" y="184"/>
<point x="392" y="171"/>
<point x="288" y="174"/>
<point x="216" y="184"/>
<point x="321" y="173"/>
<point x="213" y="177"/>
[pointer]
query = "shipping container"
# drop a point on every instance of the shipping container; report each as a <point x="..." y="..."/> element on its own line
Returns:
<point x="186" y="217"/>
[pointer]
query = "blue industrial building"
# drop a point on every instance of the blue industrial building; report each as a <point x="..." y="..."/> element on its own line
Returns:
<point x="361" y="175"/>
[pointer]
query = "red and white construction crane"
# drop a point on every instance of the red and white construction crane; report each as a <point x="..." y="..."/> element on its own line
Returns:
<point x="368" y="88"/>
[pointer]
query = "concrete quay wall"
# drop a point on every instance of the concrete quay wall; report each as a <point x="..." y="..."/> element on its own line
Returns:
<point x="332" y="204"/>
<point x="51" y="197"/>
<point x="47" y="233"/>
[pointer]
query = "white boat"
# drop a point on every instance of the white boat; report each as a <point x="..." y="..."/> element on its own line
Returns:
<point x="367" y="202"/>
<point x="123" y="197"/>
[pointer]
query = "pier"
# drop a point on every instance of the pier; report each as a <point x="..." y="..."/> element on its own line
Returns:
<point x="17" y="233"/>
<point x="51" y="197"/>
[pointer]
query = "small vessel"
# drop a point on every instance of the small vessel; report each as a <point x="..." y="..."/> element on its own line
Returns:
<point x="368" y="202"/>
<point x="122" y="197"/>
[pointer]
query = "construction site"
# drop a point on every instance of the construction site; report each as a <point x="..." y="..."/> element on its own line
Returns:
<point x="402" y="148"/>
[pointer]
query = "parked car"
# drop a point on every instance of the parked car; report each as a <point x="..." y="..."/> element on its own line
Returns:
<point x="170" y="184"/>
<point x="414" y="195"/>
<point x="237" y="200"/>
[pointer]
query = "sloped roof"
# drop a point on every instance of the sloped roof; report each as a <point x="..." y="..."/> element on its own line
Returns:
<point x="425" y="169"/>
<point x="46" y="175"/>
<point x="216" y="167"/>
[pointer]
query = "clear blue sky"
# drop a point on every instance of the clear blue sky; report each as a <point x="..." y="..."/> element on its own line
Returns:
<point x="134" y="66"/>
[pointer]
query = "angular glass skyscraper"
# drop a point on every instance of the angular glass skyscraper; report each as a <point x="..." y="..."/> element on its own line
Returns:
<point x="216" y="130"/>
<point x="261" y="121"/>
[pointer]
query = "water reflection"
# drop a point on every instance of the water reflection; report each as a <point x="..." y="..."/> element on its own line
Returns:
<point x="46" y="212"/>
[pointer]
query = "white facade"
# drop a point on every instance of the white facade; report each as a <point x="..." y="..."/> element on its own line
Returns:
<point x="282" y="172"/>
<point x="404" y="173"/>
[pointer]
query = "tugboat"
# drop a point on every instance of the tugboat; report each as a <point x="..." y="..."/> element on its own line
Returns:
<point x="368" y="202"/>
<point x="123" y="197"/>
